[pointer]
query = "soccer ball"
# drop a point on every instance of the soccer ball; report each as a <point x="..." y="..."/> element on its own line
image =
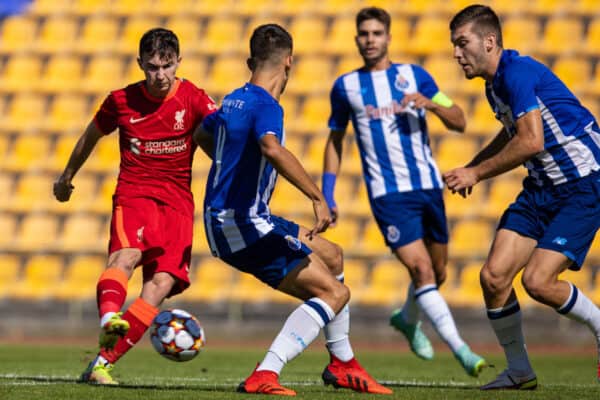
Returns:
<point x="177" y="335"/>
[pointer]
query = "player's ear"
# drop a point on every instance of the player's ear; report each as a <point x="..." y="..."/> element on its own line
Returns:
<point x="489" y="42"/>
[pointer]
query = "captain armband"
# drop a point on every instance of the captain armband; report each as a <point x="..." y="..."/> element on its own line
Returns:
<point x="442" y="100"/>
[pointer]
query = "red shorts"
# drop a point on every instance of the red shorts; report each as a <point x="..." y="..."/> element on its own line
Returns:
<point x="163" y="234"/>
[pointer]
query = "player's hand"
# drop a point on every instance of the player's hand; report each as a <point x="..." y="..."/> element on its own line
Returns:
<point x="416" y="100"/>
<point x="323" y="218"/>
<point x="62" y="189"/>
<point x="334" y="216"/>
<point x="461" y="180"/>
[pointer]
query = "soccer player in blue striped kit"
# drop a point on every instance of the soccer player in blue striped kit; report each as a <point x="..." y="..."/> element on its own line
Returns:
<point x="387" y="103"/>
<point x="552" y="223"/>
<point x="248" y="153"/>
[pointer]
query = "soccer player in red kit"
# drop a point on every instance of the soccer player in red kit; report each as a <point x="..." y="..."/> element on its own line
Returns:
<point x="153" y="207"/>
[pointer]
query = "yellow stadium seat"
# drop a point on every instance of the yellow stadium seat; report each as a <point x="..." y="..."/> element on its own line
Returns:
<point x="337" y="8"/>
<point x="98" y="35"/>
<point x="41" y="275"/>
<point x="48" y="7"/>
<point x="575" y="72"/>
<point x="445" y="71"/>
<point x="200" y="241"/>
<point x="448" y="288"/>
<point x="6" y="190"/>
<point x="547" y="7"/>
<point x="288" y="201"/>
<point x="355" y="277"/>
<point x="134" y="286"/>
<point x="81" y="277"/>
<point x="68" y="113"/>
<point x="561" y="36"/>
<point x="591" y="43"/>
<point x="387" y="285"/>
<point x="468" y="291"/>
<point x="103" y="201"/>
<point x="62" y="73"/>
<point x="226" y="74"/>
<point x="248" y="289"/>
<point x="421" y="8"/>
<point x="105" y="157"/>
<point x="360" y="202"/>
<point x="134" y="27"/>
<point x="295" y="144"/>
<point x="193" y="69"/>
<point x="455" y="151"/>
<point x="401" y="37"/>
<point x="470" y="238"/>
<point x="351" y="163"/>
<point x="483" y="122"/>
<point x="37" y="232"/>
<point x="522" y="33"/>
<point x="80" y="233"/>
<point x="304" y="30"/>
<point x="62" y="151"/>
<point x="294" y="7"/>
<point x="585" y="8"/>
<point x="99" y="67"/>
<point x="170" y="8"/>
<point x="17" y="34"/>
<point x="187" y="29"/>
<point x="431" y="36"/>
<point x="9" y="272"/>
<point x="372" y="242"/>
<point x="21" y="73"/>
<point x="250" y="8"/>
<point x="8" y="225"/>
<point x="130" y="8"/>
<point x="210" y="8"/>
<point x="313" y="158"/>
<point x="311" y="75"/>
<point x="503" y="192"/>
<point x="89" y="7"/>
<point x="459" y="207"/>
<point x="313" y="115"/>
<point x="594" y="253"/>
<point x="344" y="192"/>
<point x="29" y="152"/>
<point x="344" y="234"/>
<point x="212" y="281"/>
<point x="33" y="192"/>
<point x="510" y="8"/>
<point x="347" y="64"/>
<point x="57" y="35"/>
<point x="25" y="112"/>
<point x="582" y="279"/>
<point x="221" y="36"/>
<point x="340" y="40"/>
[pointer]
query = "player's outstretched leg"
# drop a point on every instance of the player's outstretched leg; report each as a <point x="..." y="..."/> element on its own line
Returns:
<point x="98" y="372"/>
<point x="417" y="340"/>
<point x="113" y="329"/>
<point x="351" y="375"/>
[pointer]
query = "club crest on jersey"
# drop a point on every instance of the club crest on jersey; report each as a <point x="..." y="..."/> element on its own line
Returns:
<point x="393" y="234"/>
<point x="293" y="243"/>
<point x="179" y="124"/>
<point x="401" y="83"/>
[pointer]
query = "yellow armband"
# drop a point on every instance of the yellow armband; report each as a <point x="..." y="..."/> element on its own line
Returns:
<point x="442" y="100"/>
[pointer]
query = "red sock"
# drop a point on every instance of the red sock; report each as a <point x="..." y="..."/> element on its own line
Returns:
<point x="111" y="291"/>
<point x="139" y="315"/>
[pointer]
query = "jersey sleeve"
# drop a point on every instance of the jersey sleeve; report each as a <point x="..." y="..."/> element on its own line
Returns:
<point x="520" y="83"/>
<point x="204" y="105"/>
<point x="268" y="120"/>
<point x="340" y="108"/>
<point x="209" y="123"/>
<point x="425" y="83"/>
<point x="106" y="117"/>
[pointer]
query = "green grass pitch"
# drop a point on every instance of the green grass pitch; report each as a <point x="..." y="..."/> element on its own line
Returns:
<point x="50" y="372"/>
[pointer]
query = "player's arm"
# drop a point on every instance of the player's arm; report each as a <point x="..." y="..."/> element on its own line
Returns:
<point x="527" y="142"/>
<point x="81" y="152"/>
<point x="204" y="139"/>
<point x="451" y="115"/>
<point x="491" y="149"/>
<point x="288" y="165"/>
<point x="332" y="162"/>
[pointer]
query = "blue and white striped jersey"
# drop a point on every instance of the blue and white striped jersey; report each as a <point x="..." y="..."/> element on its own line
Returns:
<point x="241" y="180"/>
<point x="392" y="140"/>
<point x="571" y="134"/>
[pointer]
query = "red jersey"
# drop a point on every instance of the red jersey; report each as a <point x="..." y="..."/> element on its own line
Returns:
<point x="155" y="140"/>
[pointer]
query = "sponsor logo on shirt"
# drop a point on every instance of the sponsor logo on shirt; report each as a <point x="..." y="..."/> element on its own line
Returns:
<point x="155" y="147"/>
<point x="391" y="109"/>
<point x="179" y="124"/>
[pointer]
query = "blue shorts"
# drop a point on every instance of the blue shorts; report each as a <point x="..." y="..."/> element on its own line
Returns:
<point x="408" y="216"/>
<point x="563" y="218"/>
<point x="273" y="256"/>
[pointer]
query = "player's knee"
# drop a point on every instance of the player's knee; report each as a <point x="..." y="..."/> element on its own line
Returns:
<point x="125" y="259"/>
<point x="536" y="286"/>
<point x="440" y="277"/>
<point x="337" y="260"/>
<point x="341" y="296"/>
<point x="422" y="272"/>
<point x="492" y="281"/>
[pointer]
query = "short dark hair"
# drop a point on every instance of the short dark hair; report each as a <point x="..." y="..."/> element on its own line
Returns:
<point x="374" y="13"/>
<point x="161" y="41"/>
<point x="484" y="21"/>
<point x="267" y="42"/>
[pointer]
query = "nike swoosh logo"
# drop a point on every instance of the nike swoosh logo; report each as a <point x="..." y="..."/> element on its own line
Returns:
<point x="136" y="120"/>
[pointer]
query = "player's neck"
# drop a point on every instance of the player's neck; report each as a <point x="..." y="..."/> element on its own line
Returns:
<point x="379" y="65"/>
<point x="273" y="81"/>
<point x="492" y="68"/>
<point x="162" y="95"/>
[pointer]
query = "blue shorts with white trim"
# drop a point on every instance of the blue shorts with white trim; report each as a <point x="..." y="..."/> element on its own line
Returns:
<point x="562" y="218"/>
<point x="273" y="256"/>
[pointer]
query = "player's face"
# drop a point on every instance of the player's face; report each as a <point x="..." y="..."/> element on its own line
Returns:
<point x="159" y="72"/>
<point x="469" y="51"/>
<point x="372" y="40"/>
